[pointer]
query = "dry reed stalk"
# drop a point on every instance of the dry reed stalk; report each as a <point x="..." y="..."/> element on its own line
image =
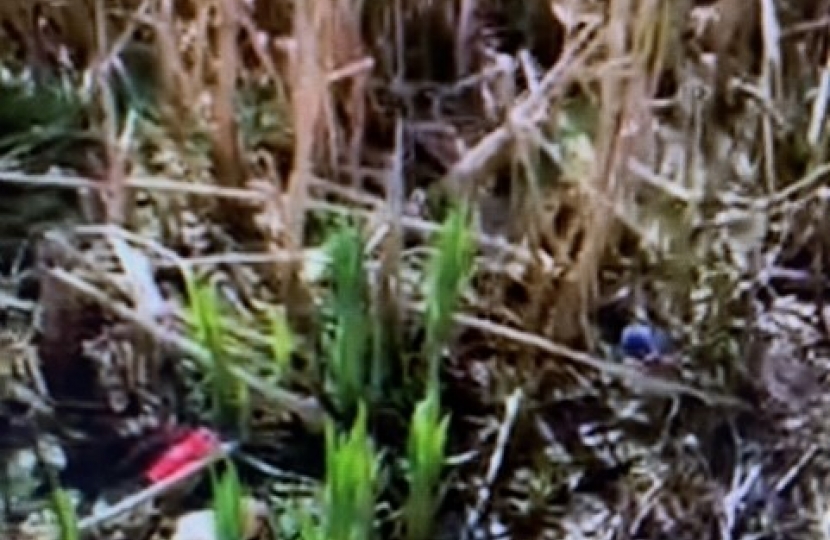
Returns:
<point x="116" y="196"/>
<point x="350" y="51"/>
<point x="308" y="94"/>
<point x="178" y="85"/>
<point x="463" y="57"/>
<point x="310" y="56"/>
<point x="492" y="150"/>
<point x="227" y="156"/>
<point x="635" y="35"/>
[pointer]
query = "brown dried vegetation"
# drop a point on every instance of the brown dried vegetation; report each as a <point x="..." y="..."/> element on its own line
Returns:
<point x="658" y="158"/>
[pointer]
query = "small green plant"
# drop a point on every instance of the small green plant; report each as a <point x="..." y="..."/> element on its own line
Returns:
<point x="348" y="358"/>
<point x="350" y="490"/>
<point x="227" y="504"/>
<point x="425" y="455"/>
<point x="282" y="341"/>
<point x="65" y="512"/>
<point x="309" y="530"/>
<point x="229" y="395"/>
<point x="62" y="504"/>
<point x="449" y="269"/>
<point x="297" y="517"/>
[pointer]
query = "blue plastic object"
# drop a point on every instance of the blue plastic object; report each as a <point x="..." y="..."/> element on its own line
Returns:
<point x="644" y="342"/>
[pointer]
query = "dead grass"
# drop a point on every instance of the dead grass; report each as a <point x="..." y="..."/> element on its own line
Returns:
<point x="657" y="158"/>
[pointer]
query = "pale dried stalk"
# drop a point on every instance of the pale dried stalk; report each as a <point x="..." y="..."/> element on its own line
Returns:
<point x="624" y="131"/>
<point x="307" y="101"/>
<point x="156" y="490"/>
<point x="492" y="148"/>
<point x="639" y="380"/>
<point x="230" y="169"/>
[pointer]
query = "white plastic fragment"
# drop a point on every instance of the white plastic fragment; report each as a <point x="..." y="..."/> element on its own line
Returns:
<point x="200" y="525"/>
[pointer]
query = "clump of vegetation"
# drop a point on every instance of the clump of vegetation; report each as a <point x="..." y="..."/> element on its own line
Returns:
<point x="522" y="181"/>
<point x="447" y="275"/>
<point x="349" y="362"/>
<point x="426" y="449"/>
<point x="229" y="396"/>
<point x="351" y="482"/>
<point x="228" y="510"/>
<point x="282" y="342"/>
<point x="65" y="512"/>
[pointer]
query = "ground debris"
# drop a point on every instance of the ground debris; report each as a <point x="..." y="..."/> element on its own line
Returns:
<point x="642" y="349"/>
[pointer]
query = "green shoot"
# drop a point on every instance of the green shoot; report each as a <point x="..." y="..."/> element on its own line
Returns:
<point x="65" y="512"/>
<point x="309" y="530"/>
<point x="282" y="341"/>
<point x="297" y="518"/>
<point x="449" y="269"/>
<point x="229" y="396"/>
<point x="227" y="504"/>
<point x="352" y="323"/>
<point x="425" y="453"/>
<point x="352" y="473"/>
<point x="62" y="505"/>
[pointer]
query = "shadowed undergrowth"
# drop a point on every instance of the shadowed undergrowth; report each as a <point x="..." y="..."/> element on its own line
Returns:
<point x="399" y="253"/>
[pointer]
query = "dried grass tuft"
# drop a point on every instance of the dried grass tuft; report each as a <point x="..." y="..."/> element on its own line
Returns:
<point x="656" y="159"/>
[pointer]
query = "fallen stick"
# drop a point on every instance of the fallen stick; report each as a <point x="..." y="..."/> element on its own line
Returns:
<point x="156" y="490"/>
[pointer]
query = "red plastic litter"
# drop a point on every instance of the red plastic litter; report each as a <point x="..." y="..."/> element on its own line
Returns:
<point x="193" y="447"/>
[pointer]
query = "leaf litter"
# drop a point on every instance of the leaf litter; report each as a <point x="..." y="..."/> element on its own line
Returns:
<point x="635" y="171"/>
